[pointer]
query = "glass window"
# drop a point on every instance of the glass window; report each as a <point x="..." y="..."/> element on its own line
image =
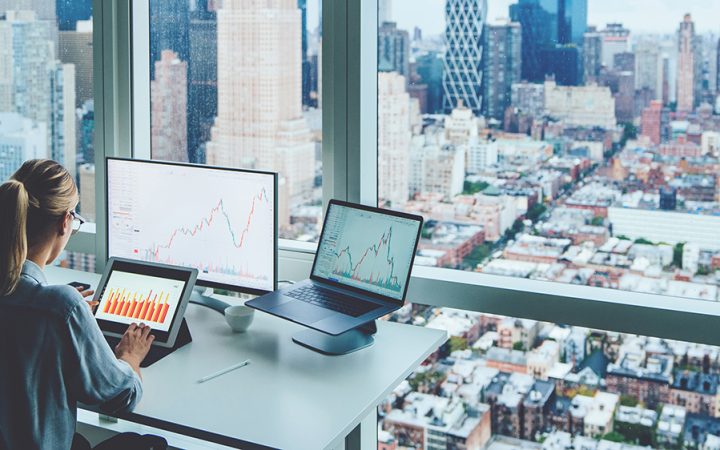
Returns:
<point x="236" y="83"/>
<point x="551" y="141"/>
<point x="46" y="89"/>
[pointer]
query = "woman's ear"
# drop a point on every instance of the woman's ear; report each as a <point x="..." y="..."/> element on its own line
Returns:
<point x="64" y="224"/>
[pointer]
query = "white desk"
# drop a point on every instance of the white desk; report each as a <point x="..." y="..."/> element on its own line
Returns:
<point x="289" y="397"/>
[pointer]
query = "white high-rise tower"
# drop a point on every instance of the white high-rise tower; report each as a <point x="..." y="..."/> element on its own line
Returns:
<point x="260" y="122"/>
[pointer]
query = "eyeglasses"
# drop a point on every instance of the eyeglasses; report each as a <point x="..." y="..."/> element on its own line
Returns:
<point x="77" y="222"/>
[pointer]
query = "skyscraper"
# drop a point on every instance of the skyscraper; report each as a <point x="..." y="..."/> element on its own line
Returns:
<point x="502" y="66"/>
<point x="202" y="82"/>
<point x="169" y="108"/>
<point x="385" y="11"/>
<point x="717" y="65"/>
<point x="616" y="39"/>
<point x="260" y="122"/>
<point x="44" y="9"/>
<point x="539" y="31"/>
<point x="648" y="67"/>
<point x="393" y="49"/>
<point x="20" y="139"/>
<point x="430" y="70"/>
<point x="76" y="47"/>
<point x="45" y="90"/>
<point x="69" y="12"/>
<point x="464" y="28"/>
<point x="592" y="56"/>
<point x="552" y="36"/>
<point x="651" y="122"/>
<point x="686" y="65"/>
<point x="393" y="139"/>
<point x="170" y="30"/>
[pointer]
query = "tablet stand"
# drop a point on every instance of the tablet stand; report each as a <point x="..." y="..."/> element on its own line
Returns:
<point x="157" y="353"/>
<point x="342" y="344"/>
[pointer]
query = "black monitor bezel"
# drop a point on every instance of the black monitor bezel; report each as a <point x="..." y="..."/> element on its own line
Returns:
<point x="200" y="281"/>
<point x="403" y="215"/>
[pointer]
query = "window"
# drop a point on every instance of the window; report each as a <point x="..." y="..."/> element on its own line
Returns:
<point x="46" y="89"/>
<point x="546" y="149"/>
<point x="552" y="149"/>
<point x="237" y="84"/>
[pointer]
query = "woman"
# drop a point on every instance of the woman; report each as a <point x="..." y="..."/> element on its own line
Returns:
<point x="52" y="353"/>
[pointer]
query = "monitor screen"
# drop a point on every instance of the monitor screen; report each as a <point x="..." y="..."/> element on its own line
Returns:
<point x="367" y="249"/>
<point x="222" y="222"/>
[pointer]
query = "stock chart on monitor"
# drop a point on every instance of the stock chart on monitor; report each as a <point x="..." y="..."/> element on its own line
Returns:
<point x="221" y="222"/>
<point x="367" y="250"/>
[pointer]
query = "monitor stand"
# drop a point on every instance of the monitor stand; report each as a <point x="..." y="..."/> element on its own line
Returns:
<point x="342" y="344"/>
<point x="200" y="297"/>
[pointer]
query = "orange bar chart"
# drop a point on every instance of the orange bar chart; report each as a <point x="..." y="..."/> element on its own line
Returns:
<point x="134" y="305"/>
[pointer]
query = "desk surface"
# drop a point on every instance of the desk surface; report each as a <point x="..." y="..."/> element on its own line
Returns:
<point x="288" y="397"/>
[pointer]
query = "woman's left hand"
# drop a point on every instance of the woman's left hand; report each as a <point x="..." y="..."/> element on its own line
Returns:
<point x="88" y="293"/>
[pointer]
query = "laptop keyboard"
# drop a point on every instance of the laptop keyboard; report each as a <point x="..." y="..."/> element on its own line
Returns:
<point x="331" y="300"/>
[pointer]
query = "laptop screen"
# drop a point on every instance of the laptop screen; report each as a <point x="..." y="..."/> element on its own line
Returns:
<point x="367" y="249"/>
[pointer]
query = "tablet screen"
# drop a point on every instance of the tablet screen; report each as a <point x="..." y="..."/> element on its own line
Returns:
<point x="136" y="298"/>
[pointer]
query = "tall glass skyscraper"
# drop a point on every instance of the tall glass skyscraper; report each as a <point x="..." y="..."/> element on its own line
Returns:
<point x="462" y="79"/>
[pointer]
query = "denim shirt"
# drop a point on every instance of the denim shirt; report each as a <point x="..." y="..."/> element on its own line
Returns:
<point x="52" y="356"/>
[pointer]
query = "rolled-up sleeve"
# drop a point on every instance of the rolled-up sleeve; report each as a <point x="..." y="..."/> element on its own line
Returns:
<point x="102" y="379"/>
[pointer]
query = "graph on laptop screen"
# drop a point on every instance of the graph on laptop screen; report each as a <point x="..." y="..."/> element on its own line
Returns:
<point x="367" y="250"/>
<point x="220" y="221"/>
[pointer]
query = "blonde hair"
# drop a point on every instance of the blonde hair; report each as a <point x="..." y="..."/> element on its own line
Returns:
<point x="32" y="200"/>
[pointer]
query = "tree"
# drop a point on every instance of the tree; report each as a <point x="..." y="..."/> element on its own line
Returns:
<point x="597" y="221"/>
<point x="678" y="254"/>
<point x="630" y="131"/>
<point x="457" y="343"/>
<point x="643" y="241"/>
<point x="519" y="346"/>
<point x="628" y="400"/>
<point x="536" y="211"/>
<point x="477" y="256"/>
<point x="614" y="436"/>
<point x="470" y="188"/>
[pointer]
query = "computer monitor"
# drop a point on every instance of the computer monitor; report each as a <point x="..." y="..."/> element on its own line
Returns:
<point x="220" y="221"/>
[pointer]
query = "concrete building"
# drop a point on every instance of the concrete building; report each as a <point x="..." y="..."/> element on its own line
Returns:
<point x="481" y="156"/>
<point x="651" y="122"/>
<point x="697" y="392"/>
<point x="462" y="79"/>
<point x="87" y="191"/>
<point x="700" y="229"/>
<point x="431" y="422"/>
<point x="584" y="106"/>
<point x="686" y="65"/>
<point x="20" y="139"/>
<point x="393" y="49"/>
<point x="168" y="92"/>
<point x="648" y="67"/>
<point x="710" y="143"/>
<point x="670" y="426"/>
<point x="592" y="55"/>
<point x="76" y="48"/>
<point x="502" y="66"/>
<point x="260" y="122"/>
<point x="616" y="39"/>
<point x="393" y="139"/>
<point x="529" y="98"/>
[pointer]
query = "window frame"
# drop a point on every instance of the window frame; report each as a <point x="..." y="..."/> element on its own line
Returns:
<point x="349" y="116"/>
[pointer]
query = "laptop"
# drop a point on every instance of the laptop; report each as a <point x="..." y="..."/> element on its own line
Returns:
<point x="361" y="270"/>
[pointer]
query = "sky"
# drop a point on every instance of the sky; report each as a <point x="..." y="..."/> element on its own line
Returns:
<point x="664" y="18"/>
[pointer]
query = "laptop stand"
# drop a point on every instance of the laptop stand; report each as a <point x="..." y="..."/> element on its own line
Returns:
<point x="342" y="344"/>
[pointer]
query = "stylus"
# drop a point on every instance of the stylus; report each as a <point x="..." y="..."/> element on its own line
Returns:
<point x="224" y="371"/>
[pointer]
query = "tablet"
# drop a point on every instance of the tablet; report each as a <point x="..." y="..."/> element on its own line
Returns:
<point x="139" y="292"/>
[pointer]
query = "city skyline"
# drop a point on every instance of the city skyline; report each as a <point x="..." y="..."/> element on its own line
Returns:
<point x="667" y="14"/>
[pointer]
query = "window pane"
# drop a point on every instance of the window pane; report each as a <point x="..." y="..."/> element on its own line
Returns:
<point x="235" y="83"/>
<point x="503" y="383"/>
<point x="46" y="89"/>
<point x="567" y="141"/>
<point x="552" y="144"/>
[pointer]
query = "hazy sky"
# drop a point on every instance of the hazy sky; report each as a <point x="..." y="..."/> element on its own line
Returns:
<point x="653" y="16"/>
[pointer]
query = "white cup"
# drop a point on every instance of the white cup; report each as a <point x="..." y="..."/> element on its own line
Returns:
<point x="239" y="317"/>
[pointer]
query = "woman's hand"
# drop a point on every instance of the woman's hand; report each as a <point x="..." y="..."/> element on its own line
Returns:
<point x="88" y="293"/>
<point x="135" y="345"/>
